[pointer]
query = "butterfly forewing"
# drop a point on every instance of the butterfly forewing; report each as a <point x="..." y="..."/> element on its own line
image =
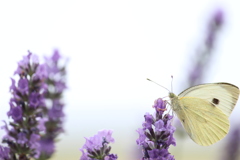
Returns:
<point x="222" y="95"/>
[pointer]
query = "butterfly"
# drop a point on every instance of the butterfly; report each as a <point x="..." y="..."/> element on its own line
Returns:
<point x="204" y="110"/>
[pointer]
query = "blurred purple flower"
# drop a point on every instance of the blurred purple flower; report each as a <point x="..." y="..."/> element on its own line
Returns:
<point x="35" y="100"/>
<point x="35" y="144"/>
<point x="4" y="153"/>
<point x="23" y="64"/>
<point x="21" y="138"/>
<point x="96" y="147"/>
<point x="54" y="75"/>
<point x="23" y="86"/>
<point x="214" y="25"/>
<point x="41" y="71"/>
<point x="56" y="56"/>
<point x="156" y="136"/>
<point x="111" y="157"/>
<point x="231" y="149"/>
<point x="202" y="57"/>
<point x="16" y="113"/>
<point x="56" y="111"/>
<point x="47" y="146"/>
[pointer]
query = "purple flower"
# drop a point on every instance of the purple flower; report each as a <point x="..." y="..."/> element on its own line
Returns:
<point x="204" y="52"/>
<point x="148" y="121"/>
<point x="16" y="113"/>
<point x="4" y="153"/>
<point x="156" y="136"/>
<point x="23" y="64"/>
<point x="35" y="100"/>
<point x="56" y="111"/>
<point x="23" y="86"/>
<point x="60" y="86"/>
<point x="35" y="145"/>
<point x="54" y="75"/>
<point x="111" y="157"/>
<point x="56" y="56"/>
<point x="96" y="147"/>
<point x="21" y="138"/>
<point x="97" y="141"/>
<point x="214" y="25"/>
<point x="231" y="149"/>
<point x="13" y="87"/>
<point x="141" y="140"/>
<point x="84" y="155"/>
<point x="47" y="147"/>
<point x="41" y="124"/>
<point x="157" y="154"/>
<point x="41" y="71"/>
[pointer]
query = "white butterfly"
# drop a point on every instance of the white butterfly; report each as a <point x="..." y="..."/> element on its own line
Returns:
<point x="204" y="110"/>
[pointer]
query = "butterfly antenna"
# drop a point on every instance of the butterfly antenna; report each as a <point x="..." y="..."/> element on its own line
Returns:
<point x="158" y="84"/>
<point x="171" y="83"/>
<point x="165" y="97"/>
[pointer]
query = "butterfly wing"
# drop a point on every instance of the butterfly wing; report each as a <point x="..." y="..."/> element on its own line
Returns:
<point x="222" y="95"/>
<point x="204" y="123"/>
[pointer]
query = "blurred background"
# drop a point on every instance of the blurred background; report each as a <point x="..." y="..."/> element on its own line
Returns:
<point x="113" y="46"/>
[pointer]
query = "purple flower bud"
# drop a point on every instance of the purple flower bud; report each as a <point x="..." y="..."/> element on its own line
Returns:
<point x="159" y="125"/>
<point x="148" y="121"/>
<point x="35" y="100"/>
<point x="56" y="111"/>
<point x="111" y="157"/>
<point x="218" y="17"/>
<point x="12" y="87"/>
<point x="141" y="140"/>
<point x="4" y="153"/>
<point x="22" y="139"/>
<point x="23" y="86"/>
<point x="60" y="86"/>
<point x="16" y="113"/>
<point x="35" y="144"/>
<point x="47" y="146"/>
<point x="41" y="124"/>
<point x="84" y="155"/>
<point x="41" y="71"/>
<point x="160" y="105"/>
<point x="23" y="64"/>
<point x="56" y="56"/>
<point x="157" y="154"/>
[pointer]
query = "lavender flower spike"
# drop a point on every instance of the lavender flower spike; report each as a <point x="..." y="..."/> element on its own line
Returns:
<point x="156" y="136"/>
<point x="96" y="147"/>
<point x="54" y="75"/>
<point x="22" y="134"/>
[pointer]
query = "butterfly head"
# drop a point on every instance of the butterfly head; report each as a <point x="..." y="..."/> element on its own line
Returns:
<point x="172" y="95"/>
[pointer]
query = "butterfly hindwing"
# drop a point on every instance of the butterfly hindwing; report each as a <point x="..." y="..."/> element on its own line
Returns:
<point x="204" y="123"/>
<point x="222" y="95"/>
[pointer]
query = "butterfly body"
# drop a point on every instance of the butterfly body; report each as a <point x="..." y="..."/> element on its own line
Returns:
<point x="204" y="110"/>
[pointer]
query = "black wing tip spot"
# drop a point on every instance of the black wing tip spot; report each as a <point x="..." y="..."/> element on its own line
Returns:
<point x="183" y="120"/>
<point x="215" y="101"/>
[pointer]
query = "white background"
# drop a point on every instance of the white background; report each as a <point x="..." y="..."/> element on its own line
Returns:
<point x="113" y="46"/>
